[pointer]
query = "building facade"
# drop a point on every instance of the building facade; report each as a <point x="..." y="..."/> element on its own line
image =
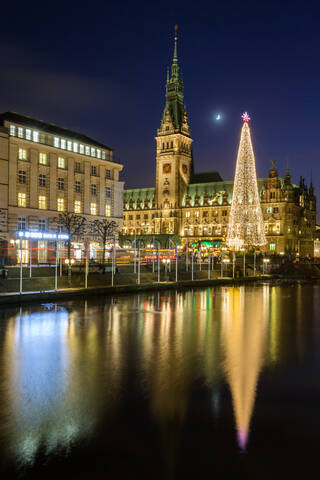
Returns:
<point x="196" y="206"/>
<point x="46" y="170"/>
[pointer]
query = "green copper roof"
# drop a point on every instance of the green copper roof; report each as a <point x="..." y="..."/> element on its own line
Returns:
<point x="174" y="93"/>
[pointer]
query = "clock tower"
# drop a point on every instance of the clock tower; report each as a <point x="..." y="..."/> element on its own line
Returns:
<point x="174" y="151"/>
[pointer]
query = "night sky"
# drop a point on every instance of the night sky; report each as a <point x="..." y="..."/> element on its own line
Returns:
<point x="100" y="68"/>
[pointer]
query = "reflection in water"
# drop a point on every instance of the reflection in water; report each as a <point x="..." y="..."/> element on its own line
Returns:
<point x="64" y="370"/>
<point x="244" y="320"/>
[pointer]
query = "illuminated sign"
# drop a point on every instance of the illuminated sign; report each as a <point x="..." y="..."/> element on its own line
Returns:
<point x="43" y="235"/>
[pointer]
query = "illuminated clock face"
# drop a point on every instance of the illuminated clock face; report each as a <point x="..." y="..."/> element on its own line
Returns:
<point x="167" y="168"/>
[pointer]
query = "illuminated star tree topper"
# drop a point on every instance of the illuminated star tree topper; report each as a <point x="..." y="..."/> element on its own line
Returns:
<point x="246" y="227"/>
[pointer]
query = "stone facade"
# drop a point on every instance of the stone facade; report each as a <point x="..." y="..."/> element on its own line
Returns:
<point x="196" y="206"/>
<point x="46" y="170"/>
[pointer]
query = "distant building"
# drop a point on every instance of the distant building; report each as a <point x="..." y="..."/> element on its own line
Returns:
<point x="195" y="206"/>
<point x="45" y="170"/>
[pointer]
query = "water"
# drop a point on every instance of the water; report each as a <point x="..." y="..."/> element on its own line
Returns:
<point x="201" y="383"/>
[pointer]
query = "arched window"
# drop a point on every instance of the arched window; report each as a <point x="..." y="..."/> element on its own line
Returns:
<point x="163" y="146"/>
<point x="171" y="144"/>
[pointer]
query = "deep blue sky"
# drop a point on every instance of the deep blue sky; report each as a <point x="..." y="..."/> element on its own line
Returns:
<point x="100" y="68"/>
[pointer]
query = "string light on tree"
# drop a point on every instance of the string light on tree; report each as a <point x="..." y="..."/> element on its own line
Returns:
<point x="246" y="226"/>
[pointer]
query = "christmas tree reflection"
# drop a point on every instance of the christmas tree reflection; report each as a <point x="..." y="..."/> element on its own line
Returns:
<point x="243" y="337"/>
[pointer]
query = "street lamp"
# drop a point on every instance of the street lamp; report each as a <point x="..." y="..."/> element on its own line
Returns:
<point x="166" y="262"/>
<point x="265" y="263"/>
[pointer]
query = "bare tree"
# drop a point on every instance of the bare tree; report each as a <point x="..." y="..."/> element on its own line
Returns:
<point x="104" y="229"/>
<point x="74" y="225"/>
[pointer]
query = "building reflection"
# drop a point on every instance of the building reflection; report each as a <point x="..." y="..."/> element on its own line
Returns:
<point x="64" y="369"/>
<point x="53" y="386"/>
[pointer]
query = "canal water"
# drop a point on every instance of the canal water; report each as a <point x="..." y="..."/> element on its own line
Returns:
<point x="199" y="383"/>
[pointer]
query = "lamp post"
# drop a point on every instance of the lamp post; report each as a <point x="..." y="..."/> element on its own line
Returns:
<point x="56" y="269"/>
<point x="244" y="263"/>
<point x="265" y="263"/>
<point x="153" y="254"/>
<point x="233" y="263"/>
<point x="158" y="265"/>
<point x="209" y="266"/>
<point x="139" y="263"/>
<point x="166" y="262"/>
<point x="176" y="263"/>
<point x="187" y="256"/>
<point x="86" y="266"/>
<point x="226" y="261"/>
<point x="192" y="265"/>
<point x="20" y="265"/>
<point x="30" y="259"/>
<point x="135" y="253"/>
<point x="200" y="256"/>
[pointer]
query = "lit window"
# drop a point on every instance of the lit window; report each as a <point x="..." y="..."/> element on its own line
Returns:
<point x="35" y="136"/>
<point x="56" y="142"/>
<point x="22" y="200"/>
<point x="81" y="148"/>
<point x="42" y="180"/>
<point x="75" y="147"/>
<point x="69" y="145"/>
<point x="87" y="150"/>
<point x="93" y="152"/>
<point x="197" y="213"/>
<point x="103" y="155"/>
<point x="60" y="183"/>
<point x="63" y="143"/>
<point x="187" y="214"/>
<point x="22" y="154"/>
<point x="42" y="225"/>
<point x="12" y="130"/>
<point x="42" y="202"/>
<point x="93" y="209"/>
<point x="98" y="153"/>
<point x="20" y="132"/>
<point x="108" y="210"/>
<point x="108" y="192"/>
<point x="272" y="246"/>
<point x="60" y="205"/>
<point x="42" y="158"/>
<point x="22" y="177"/>
<point x="108" y="173"/>
<point x="78" y="186"/>
<point x="93" y="170"/>
<point x="61" y="162"/>
<point x="77" y="206"/>
<point x="93" y="189"/>
<point x="21" y="223"/>
<point x="28" y="134"/>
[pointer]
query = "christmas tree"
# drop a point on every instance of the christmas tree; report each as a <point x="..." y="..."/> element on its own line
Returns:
<point x="246" y="228"/>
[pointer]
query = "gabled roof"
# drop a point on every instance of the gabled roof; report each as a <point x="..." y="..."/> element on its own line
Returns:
<point x="49" y="128"/>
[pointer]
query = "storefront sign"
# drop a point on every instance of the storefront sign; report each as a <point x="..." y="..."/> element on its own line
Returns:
<point x="43" y="235"/>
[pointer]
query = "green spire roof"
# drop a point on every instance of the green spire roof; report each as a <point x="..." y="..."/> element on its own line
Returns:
<point x="174" y="92"/>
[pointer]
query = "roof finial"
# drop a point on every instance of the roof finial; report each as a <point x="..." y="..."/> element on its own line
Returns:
<point x="175" y="68"/>
<point x="175" y="53"/>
